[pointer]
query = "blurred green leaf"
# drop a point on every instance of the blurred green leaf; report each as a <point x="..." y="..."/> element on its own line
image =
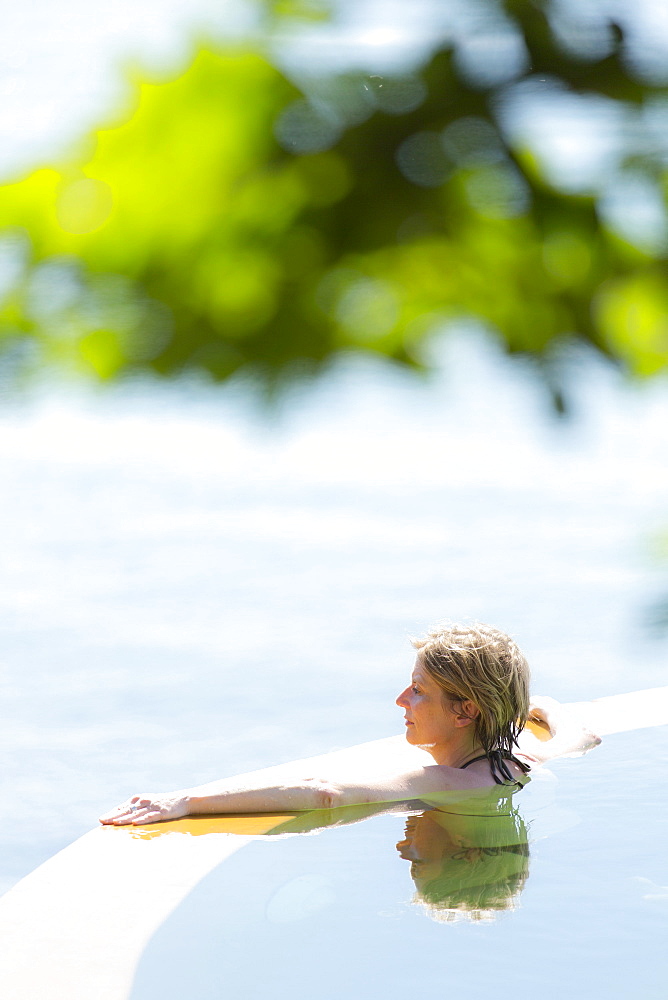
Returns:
<point x="232" y="222"/>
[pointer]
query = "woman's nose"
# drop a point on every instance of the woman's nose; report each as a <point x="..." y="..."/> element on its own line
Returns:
<point x="401" y="700"/>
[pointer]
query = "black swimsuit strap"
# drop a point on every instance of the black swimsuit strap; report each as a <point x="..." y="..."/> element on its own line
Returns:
<point x="497" y="762"/>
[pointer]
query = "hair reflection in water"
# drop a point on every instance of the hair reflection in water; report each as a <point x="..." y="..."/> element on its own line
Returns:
<point x="466" y="867"/>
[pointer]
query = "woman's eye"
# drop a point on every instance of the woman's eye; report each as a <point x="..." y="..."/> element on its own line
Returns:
<point x="415" y="690"/>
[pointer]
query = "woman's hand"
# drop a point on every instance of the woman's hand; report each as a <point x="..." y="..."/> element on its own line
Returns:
<point x="542" y="708"/>
<point x="152" y="808"/>
<point x="570" y="737"/>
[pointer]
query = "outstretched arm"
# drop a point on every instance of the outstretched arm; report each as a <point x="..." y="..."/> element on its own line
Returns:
<point x="232" y="795"/>
<point x="254" y="793"/>
<point x="568" y="736"/>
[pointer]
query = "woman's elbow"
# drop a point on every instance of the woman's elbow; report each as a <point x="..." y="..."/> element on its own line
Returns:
<point x="332" y="795"/>
<point x="323" y="794"/>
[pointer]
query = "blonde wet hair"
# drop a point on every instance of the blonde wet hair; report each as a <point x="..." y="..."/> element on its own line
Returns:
<point x="481" y="664"/>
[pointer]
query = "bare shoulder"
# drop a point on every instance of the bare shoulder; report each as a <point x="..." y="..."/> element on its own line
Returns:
<point x="418" y="783"/>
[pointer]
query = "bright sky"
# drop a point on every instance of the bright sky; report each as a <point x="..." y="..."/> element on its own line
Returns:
<point x="60" y="63"/>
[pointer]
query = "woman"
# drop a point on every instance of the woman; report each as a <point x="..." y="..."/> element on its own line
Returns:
<point x="466" y="706"/>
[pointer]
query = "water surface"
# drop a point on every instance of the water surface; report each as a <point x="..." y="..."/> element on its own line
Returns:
<point x="337" y="912"/>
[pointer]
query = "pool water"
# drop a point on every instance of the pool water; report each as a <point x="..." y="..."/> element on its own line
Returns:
<point x="332" y="914"/>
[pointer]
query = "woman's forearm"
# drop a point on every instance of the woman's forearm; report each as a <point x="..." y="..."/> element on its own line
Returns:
<point x="230" y="795"/>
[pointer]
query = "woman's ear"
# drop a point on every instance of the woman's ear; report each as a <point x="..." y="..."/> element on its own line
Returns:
<point x="466" y="713"/>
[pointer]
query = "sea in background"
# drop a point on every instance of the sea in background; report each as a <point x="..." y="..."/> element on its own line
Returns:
<point x="194" y="586"/>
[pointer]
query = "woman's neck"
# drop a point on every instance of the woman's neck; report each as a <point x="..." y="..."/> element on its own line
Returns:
<point x="456" y="752"/>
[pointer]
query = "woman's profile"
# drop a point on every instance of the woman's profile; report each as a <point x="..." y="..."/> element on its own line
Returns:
<point x="466" y="706"/>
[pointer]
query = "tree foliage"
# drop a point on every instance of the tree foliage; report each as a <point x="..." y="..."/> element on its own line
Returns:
<point x="234" y="222"/>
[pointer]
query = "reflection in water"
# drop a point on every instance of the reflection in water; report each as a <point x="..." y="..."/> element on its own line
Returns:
<point x="243" y="824"/>
<point x="466" y="867"/>
<point x="469" y="853"/>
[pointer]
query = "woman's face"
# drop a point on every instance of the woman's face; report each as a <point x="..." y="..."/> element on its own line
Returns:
<point x="429" y="721"/>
